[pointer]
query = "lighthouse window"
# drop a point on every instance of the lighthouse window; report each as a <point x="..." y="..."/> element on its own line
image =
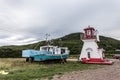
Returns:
<point x="88" y="54"/>
<point x="88" y="32"/>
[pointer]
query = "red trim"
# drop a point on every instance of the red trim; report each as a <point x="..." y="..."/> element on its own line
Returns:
<point x="96" y="61"/>
<point x="91" y="35"/>
<point x="84" y="60"/>
<point x="92" y="60"/>
<point x="105" y="62"/>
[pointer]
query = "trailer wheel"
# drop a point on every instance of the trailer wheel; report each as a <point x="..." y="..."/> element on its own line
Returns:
<point x="65" y="60"/>
<point x="27" y="59"/>
<point x="31" y="59"/>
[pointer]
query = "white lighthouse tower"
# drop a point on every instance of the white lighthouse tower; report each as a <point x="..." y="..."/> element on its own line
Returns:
<point x="90" y="52"/>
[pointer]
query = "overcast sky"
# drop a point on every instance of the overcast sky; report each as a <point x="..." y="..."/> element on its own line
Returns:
<point x="27" y="21"/>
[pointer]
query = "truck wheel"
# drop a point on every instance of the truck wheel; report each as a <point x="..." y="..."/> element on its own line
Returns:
<point x="27" y="59"/>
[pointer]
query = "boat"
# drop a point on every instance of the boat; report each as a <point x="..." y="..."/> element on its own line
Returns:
<point x="48" y="52"/>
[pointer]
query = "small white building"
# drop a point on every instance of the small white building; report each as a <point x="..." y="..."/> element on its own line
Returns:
<point x="90" y="51"/>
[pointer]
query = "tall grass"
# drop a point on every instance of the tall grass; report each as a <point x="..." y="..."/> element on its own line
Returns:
<point x="20" y="70"/>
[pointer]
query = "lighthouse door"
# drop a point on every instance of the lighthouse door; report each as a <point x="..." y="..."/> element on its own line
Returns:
<point x="88" y="54"/>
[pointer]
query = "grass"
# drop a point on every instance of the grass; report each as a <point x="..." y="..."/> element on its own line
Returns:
<point x="20" y="70"/>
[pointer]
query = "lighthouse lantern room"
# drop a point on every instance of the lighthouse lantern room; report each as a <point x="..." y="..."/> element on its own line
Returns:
<point x="91" y="53"/>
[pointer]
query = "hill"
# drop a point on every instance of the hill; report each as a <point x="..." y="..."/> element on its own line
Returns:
<point x="72" y="41"/>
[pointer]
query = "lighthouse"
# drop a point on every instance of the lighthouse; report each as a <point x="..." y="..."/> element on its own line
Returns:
<point x="91" y="52"/>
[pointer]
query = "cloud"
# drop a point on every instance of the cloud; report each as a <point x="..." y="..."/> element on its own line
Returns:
<point x="30" y="20"/>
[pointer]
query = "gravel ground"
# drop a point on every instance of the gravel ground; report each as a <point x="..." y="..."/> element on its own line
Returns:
<point x="110" y="72"/>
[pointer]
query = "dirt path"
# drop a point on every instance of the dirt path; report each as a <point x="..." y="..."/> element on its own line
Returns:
<point x="110" y="72"/>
